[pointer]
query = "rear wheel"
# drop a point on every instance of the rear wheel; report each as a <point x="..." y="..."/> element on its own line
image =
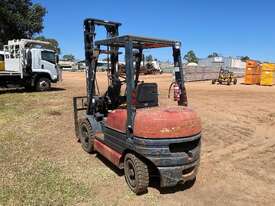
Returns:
<point x="190" y="183"/>
<point x="213" y="81"/>
<point x="136" y="174"/>
<point x="235" y="81"/>
<point x="43" y="84"/>
<point x="86" y="135"/>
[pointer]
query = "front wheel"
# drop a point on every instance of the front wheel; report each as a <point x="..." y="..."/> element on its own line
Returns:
<point x="228" y="81"/>
<point x="136" y="174"/>
<point x="29" y="87"/>
<point x="43" y="84"/>
<point x="235" y="81"/>
<point x="86" y="136"/>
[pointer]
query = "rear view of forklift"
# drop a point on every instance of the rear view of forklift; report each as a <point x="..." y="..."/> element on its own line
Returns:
<point x="130" y="128"/>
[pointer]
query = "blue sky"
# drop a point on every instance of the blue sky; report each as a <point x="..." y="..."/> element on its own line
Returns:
<point x="230" y="28"/>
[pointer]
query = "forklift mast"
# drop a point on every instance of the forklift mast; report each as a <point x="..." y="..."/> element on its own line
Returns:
<point x="179" y="75"/>
<point x="92" y="52"/>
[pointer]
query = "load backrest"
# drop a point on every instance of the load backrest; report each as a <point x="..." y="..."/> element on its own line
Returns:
<point x="147" y="95"/>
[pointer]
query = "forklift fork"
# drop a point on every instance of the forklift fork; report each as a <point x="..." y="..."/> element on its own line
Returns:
<point x="79" y="104"/>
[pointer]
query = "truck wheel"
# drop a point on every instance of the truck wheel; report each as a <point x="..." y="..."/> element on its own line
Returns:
<point x="136" y="174"/>
<point x="43" y="84"/>
<point x="213" y="81"/>
<point x="29" y="87"/>
<point x="235" y="81"/>
<point x="86" y="135"/>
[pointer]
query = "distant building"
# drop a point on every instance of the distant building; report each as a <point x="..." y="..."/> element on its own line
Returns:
<point x="225" y="62"/>
<point x="68" y="65"/>
<point x="81" y="65"/>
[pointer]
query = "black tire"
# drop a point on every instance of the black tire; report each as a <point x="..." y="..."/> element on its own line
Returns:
<point x="136" y="174"/>
<point x="190" y="183"/>
<point x="228" y="82"/>
<point x="235" y="81"/>
<point x="29" y="88"/>
<point x="86" y="136"/>
<point x="213" y="81"/>
<point x="43" y="84"/>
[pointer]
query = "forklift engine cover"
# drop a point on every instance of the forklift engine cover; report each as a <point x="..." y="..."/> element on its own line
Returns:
<point x="158" y="122"/>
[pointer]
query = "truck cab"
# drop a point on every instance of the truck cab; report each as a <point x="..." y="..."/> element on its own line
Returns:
<point x="45" y="61"/>
<point x="31" y="64"/>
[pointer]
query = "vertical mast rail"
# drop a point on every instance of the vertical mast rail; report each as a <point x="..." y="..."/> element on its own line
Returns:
<point x="179" y="75"/>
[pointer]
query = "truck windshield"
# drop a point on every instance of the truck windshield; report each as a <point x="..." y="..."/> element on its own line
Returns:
<point x="48" y="56"/>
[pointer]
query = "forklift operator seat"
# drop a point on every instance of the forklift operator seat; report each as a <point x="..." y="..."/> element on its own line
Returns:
<point x="113" y="93"/>
<point x="146" y="95"/>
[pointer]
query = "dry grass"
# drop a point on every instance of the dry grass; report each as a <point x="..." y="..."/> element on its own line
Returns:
<point x="42" y="164"/>
<point x="27" y="176"/>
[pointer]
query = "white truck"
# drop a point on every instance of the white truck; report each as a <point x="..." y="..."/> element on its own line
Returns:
<point x="29" y="64"/>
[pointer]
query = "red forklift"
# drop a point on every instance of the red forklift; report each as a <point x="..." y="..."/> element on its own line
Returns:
<point x="130" y="128"/>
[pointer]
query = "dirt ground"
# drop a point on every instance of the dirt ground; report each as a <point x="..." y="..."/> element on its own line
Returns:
<point x="237" y="160"/>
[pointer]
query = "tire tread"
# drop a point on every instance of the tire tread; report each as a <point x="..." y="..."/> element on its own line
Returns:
<point x="90" y="131"/>
<point x="142" y="174"/>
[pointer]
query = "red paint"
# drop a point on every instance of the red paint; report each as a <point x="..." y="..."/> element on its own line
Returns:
<point x="158" y="122"/>
<point x="107" y="152"/>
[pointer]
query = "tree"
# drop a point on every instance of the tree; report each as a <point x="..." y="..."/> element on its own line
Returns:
<point x="214" y="54"/>
<point x="69" y="57"/>
<point x="245" y="58"/>
<point x="53" y="43"/>
<point x="20" y="19"/>
<point x="191" y="57"/>
<point x="149" y="58"/>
